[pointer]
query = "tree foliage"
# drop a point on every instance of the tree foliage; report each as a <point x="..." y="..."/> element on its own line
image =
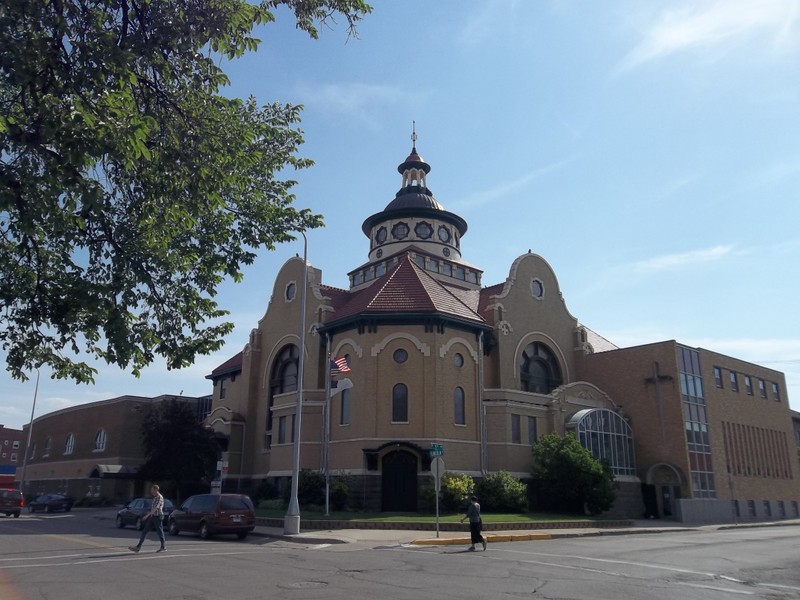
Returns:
<point x="130" y="186"/>
<point x="502" y="492"/>
<point x="177" y="447"/>
<point x="568" y="478"/>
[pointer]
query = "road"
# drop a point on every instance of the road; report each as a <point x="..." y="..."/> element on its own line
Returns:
<point x="78" y="556"/>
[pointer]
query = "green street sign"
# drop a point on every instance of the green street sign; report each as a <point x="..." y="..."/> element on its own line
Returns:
<point x="436" y="450"/>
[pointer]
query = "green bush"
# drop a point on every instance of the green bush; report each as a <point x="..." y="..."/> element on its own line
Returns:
<point x="272" y="504"/>
<point x="502" y="492"/>
<point x="311" y="488"/>
<point x="455" y="489"/>
<point x="339" y="492"/>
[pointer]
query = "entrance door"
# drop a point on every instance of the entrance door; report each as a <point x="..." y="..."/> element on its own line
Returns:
<point x="399" y="482"/>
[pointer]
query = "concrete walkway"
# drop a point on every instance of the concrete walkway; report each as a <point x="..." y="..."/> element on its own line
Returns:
<point x="429" y="538"/>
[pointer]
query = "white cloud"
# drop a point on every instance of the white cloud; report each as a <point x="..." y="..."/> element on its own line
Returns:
<point x="682" y="259"/>
<point x="718" y="24"/>
<point x="504" y="188"/>
<point x="361" y="102"/>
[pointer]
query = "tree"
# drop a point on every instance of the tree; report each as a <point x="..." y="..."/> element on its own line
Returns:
<point x="502" y="492"/>
<point x="130" y="187"/>
<point x="569" y="478"/>
<point x="178" y="449"/>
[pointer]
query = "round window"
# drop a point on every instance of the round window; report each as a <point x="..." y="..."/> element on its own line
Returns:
<point x="400" y="231"/>
<point x="400" y="356"/>
<point x="444" y="234"/>
<point x="380" y="237"/>
<point x="537" y="288"/>
<point x="458" y="360"/>
<point x="291" y="291"/>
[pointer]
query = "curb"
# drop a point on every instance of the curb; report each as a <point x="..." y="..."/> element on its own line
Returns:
<point x="492" y="539"/>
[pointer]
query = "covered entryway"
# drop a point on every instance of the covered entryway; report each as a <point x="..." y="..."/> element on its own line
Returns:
<point x="399" y="482"/>
<point x="665" y="480"/>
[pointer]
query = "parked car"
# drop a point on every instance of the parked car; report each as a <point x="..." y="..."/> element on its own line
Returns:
<point x="11" y="502"/>
<point x="211" y="514"/>
<point x="51" y="503"/>
<point x="133" y="512"/>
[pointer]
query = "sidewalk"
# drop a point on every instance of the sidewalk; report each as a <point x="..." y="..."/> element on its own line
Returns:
<point x="429" y="538"/>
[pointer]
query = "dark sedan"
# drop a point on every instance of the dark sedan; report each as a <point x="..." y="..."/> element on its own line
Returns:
<point x="51" y="503"/>
<point x="133" y="512"/>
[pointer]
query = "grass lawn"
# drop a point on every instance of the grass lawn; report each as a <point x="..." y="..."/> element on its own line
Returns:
<point x="417" y="518"/>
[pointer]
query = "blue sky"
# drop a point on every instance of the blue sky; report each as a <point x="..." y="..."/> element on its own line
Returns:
<point x="647" y="150"/>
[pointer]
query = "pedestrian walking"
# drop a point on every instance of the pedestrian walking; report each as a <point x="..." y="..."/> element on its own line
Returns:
<point x="475" y="523"/>
<point x="154" y="519"/>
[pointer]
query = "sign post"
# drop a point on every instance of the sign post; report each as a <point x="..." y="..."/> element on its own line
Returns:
<point x="437" y="470"/>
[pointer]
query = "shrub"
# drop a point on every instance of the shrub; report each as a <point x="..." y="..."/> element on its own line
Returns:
<point x="272" y="504"/>
<point x="311" y="488"/>
<point x="456" y="488"/>
<point x="502" y="492"/>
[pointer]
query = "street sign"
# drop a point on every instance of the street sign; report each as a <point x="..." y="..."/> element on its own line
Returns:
<point x="436" y="450"/>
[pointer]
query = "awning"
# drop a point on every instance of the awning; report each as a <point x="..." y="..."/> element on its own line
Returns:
<point x="113" y="472"/>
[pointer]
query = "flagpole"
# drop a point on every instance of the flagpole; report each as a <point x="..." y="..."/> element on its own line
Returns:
<point x="326" y="434"/>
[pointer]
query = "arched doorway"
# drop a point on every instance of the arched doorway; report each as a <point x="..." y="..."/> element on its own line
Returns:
<point x="399" y="482"/>
<point x="666" y="480"/>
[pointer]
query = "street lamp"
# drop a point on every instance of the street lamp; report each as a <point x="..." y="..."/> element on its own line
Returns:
<point x="291" y="522"/>
<point x="30" y="432"/>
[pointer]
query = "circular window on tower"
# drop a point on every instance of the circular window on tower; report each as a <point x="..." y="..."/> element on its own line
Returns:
<point x="400" y="356"/>
<point x="423" y="230"/>
<point x="400" y="231"/>
<point x="444" y="234"/>
<point x="379" y="253"/>
<point x="537" y="289"/>
<point x="446" y="251"/>
<point x="380" y="237"/>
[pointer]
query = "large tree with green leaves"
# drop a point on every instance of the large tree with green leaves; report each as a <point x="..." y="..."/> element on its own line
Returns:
<point x="130" y="186"/>
<point x="568" y="478"/>
<point x="178" y="449"/>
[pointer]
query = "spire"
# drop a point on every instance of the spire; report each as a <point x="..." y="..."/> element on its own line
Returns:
<point x="414" y="169"/>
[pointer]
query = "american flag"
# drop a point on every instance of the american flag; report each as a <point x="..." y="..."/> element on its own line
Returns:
<point x="339" y="365"/>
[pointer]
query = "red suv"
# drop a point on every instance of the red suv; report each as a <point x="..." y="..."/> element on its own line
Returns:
<point x="11" y="502"/>
<point x="210" y="514"/>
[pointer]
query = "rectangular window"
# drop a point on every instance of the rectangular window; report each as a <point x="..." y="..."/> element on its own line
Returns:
<point x="460" y="272"/>
<point x="447" y="269"/>
<point x="776" y="394"/>
<point x="767" y="508"/>
<point x="762" y="388"/>
<point x="15" y="444"/>
<point x="13" y="457"/>
<point x="516" y="437"/>
<point x="718" y="377"/>
<point x="748" y="385"/>
<point x="531" y="430"/>
<point x="282" y="430"/>
<point x="223" y="387"/>
<point x="734" y="382"/>
<point x="344" y="416"/>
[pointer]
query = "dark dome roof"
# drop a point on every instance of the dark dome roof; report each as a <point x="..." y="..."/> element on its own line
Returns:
<point x="414" y="197"/>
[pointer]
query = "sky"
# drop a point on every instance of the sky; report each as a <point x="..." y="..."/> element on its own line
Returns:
<point x="647" y="150"/>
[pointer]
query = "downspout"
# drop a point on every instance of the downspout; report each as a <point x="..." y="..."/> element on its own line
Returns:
<point x="482" y="410"/>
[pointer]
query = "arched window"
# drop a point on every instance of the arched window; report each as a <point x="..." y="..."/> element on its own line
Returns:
<point x="47" y="444"/>
<point x="283" y="379"/>
<point x="538" y="369"/>
<point x="100" y="441"/>
<point x="400" y="403"/>
<point x="607" y="436"/>
<point x="69" y="444"/>
<point x="459" y="415"/>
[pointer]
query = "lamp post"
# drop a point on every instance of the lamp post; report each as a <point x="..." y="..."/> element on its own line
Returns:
<point x="30" y="432"/>
<point x="291" y="522"/>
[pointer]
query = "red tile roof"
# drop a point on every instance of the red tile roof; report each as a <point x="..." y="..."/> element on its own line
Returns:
<point x="406" y="288"/>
